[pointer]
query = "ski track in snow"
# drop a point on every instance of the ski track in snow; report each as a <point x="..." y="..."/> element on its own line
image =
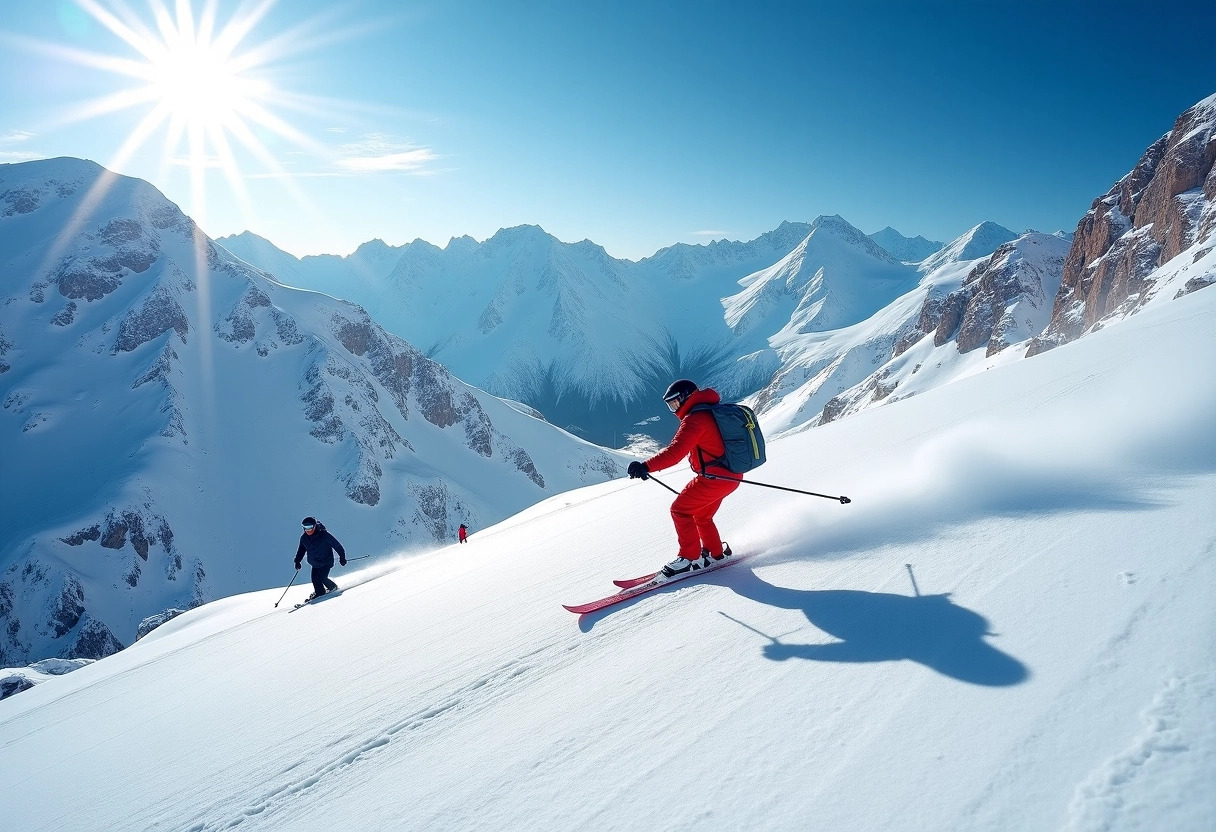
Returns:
<point x="1131" y="790"/>
<point x="1128" y="790"/>
<point x="349" y="751"/>
<point x="1149" y="782"/>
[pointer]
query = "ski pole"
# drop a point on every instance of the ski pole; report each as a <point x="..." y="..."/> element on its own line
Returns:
<point x="843" y="500"/>
<point x="660" y="482"/>
<point x="361" y="557"/>
<point x="289" y="583"/>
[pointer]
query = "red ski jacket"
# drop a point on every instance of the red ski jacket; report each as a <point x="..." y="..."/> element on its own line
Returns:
<point x="697" y="431"/>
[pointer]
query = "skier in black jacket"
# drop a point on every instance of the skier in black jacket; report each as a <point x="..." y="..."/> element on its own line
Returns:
<point x="319" y="545"/>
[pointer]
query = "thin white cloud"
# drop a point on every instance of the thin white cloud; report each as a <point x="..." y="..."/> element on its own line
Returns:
<point x="13" y="136"/>
<point x="409" y="161"/>
<point x="378" y="152"/>
<point x="17" y="156"/>
<point x="708" y="233"/>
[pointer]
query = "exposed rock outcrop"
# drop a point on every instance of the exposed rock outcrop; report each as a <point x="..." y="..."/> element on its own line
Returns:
<point x="1004" y="299"/>
<point x="92" y="640"/>
<point x="15" y="680"/>
<point x="153" y="621"/>
<point x="1162" y="207"/>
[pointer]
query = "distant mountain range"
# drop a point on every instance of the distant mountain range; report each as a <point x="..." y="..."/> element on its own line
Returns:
<point x="591" y="341"/>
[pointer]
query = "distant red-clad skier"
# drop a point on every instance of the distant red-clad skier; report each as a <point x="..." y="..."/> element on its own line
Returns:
<point x="694" y="508"/>
<point x="463" y="534"/>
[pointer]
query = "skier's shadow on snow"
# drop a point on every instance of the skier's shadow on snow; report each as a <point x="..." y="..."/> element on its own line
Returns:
<point x="879" y="627"/>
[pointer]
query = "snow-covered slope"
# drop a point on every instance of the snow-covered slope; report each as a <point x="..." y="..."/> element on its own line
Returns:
<point x="1009" y="628"/>
<point x="169" y="415"/>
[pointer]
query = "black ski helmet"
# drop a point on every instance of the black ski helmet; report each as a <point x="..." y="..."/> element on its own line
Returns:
<point x="679" y="391"/>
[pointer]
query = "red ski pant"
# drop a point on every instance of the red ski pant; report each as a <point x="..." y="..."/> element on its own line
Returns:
<point x="693" y="514"/>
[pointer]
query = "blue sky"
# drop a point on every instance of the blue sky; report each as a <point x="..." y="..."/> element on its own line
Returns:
<point x="636" y="125"/>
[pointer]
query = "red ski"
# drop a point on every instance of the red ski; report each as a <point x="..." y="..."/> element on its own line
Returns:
<point x="649" y="583"/>
<point x="626" y="583"/>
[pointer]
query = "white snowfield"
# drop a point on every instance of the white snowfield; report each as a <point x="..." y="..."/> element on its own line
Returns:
<point x="1010" y="628"/>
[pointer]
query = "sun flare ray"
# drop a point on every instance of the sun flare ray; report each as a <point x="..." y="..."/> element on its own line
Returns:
<point x="134" y="33"/>
<point x="196" y="75"/>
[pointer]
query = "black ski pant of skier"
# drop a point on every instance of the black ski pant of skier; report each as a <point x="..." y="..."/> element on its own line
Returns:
<point x="321" y="583"/>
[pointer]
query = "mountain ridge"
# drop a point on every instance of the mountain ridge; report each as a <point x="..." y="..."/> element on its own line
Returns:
<point x="512" y="312"/>
<point x="171" y="407"/>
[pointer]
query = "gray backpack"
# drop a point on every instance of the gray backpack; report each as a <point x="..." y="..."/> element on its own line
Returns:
<point x="741" y="437"/>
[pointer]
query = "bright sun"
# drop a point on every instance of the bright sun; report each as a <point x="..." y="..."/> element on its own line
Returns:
<point x="198" y="85"/>
<point x="194" y="85"/>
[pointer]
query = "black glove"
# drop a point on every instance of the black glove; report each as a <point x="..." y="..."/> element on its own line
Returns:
<point x="638" y="471"/>
<point x="342" y="560"/>
<point x="297" y="564"/>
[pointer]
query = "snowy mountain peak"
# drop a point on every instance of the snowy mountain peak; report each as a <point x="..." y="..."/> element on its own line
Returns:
<point x="463" y="243"/>
<point x="377" y="249"/>
<point x="835" y="277"/>
<point x="905" y="249"/>
<point x="982" y="240"/>
<point x="786" y="235"/>
<point x="1005" y="300"/>
<point x="979" y="241"/>
<point x="246" y="237"/>
<point x="845" y="231"/>
<point x="1204" y="109"/>
<point x="520" y="235"/>
<point x="258" y="250"/>
<point x="56" y="167"/>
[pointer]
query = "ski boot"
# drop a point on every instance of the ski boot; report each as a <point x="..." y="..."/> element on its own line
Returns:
<point x="681" y="566"/>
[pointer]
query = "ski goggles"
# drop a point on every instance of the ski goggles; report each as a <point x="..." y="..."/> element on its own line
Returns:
<point x="673" y="404"/>
<point x="309" y="528"/>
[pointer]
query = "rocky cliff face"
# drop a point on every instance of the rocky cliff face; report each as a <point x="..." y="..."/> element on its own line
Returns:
<point x="1004" y="300"/>
<point x="1166" y="205"/>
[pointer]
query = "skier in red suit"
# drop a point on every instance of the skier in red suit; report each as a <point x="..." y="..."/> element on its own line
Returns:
<point x="693" y="510"/>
